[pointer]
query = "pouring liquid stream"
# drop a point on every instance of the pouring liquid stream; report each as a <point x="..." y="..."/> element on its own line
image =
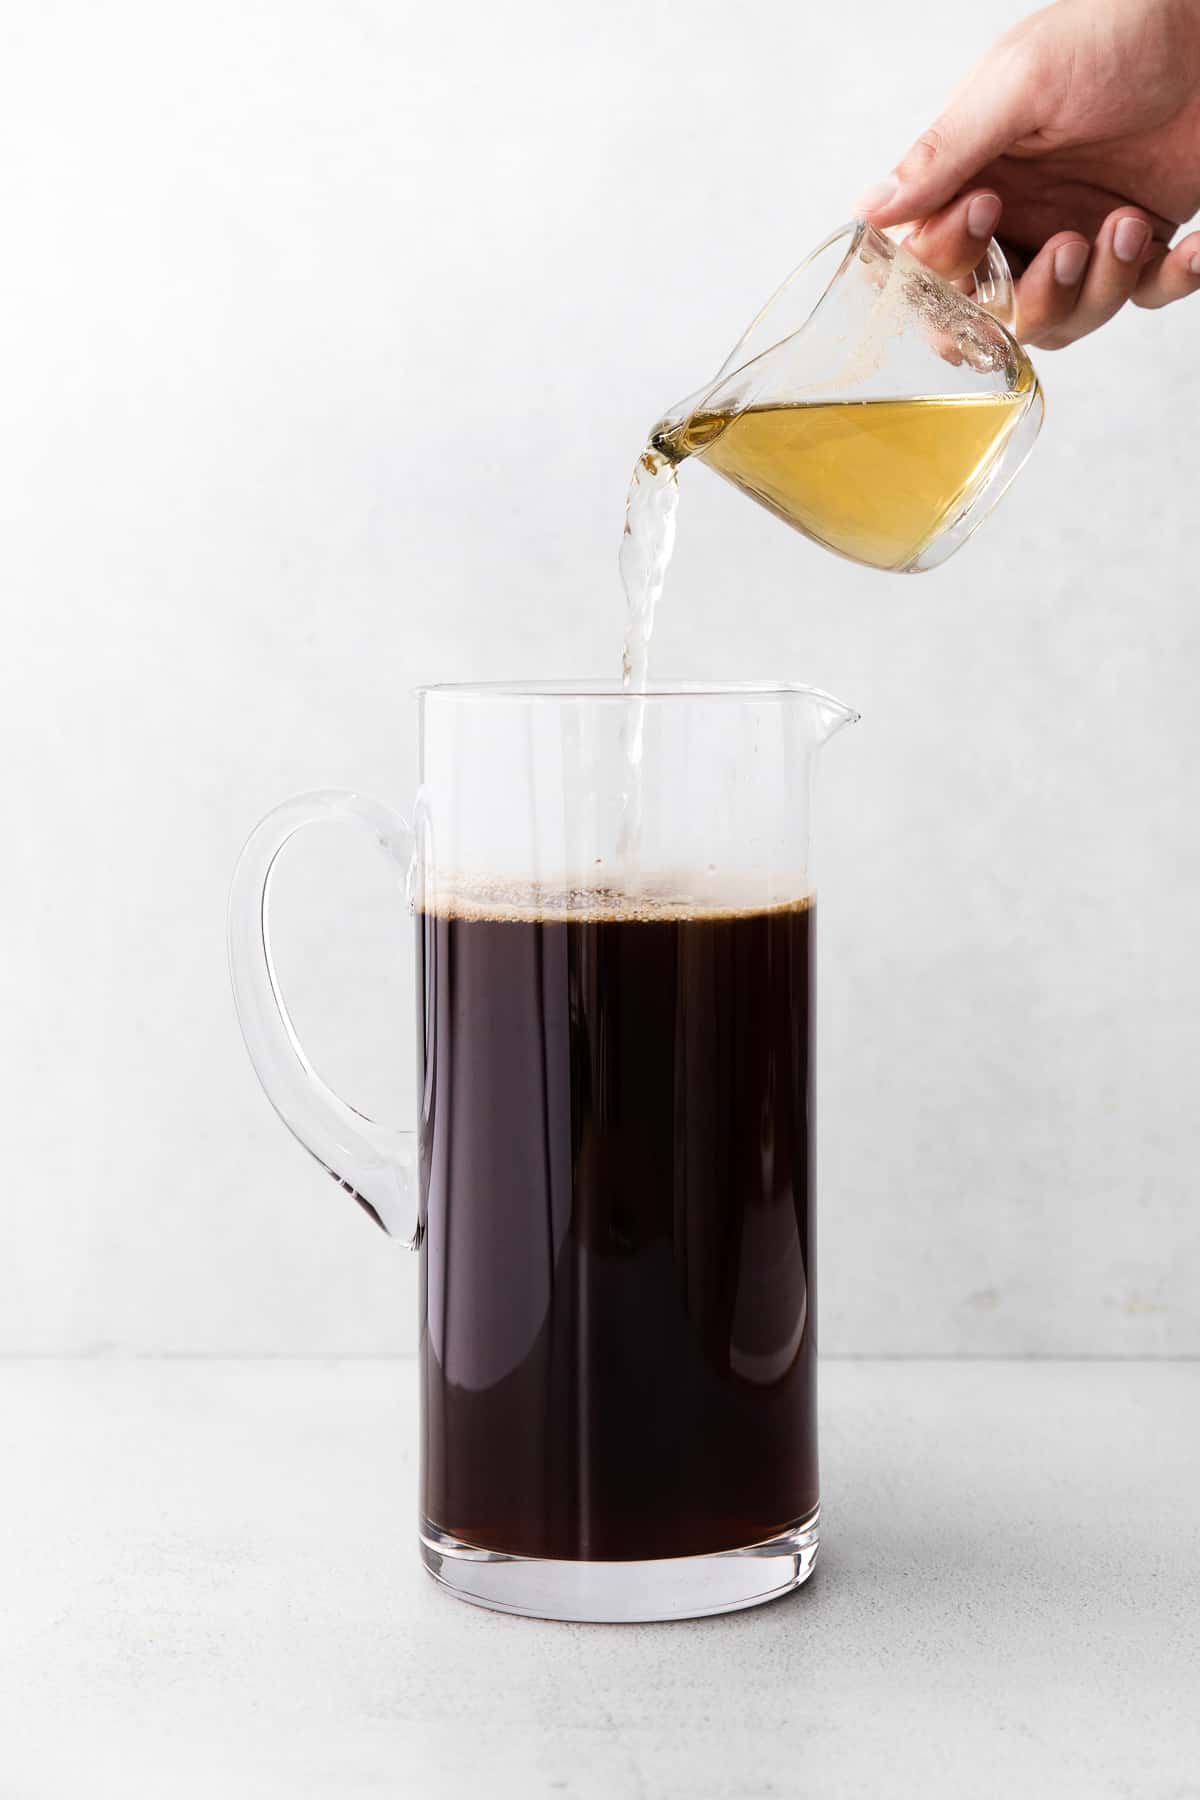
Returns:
<point x="647" y="546"/>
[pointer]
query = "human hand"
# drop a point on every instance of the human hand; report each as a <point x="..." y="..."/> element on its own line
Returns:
<point x="1076" y="141"/>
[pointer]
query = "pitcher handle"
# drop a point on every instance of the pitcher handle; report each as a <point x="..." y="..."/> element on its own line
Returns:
<point x="375" y="1163"/>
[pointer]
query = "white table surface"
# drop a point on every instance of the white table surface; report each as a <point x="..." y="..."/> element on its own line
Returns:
<point x="211" y="1589"/>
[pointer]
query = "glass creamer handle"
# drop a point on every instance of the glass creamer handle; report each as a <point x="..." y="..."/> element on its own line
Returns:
<point x="994" y="289"/>
<point x="375" y="1163"/>
<point x="990" y="283"/>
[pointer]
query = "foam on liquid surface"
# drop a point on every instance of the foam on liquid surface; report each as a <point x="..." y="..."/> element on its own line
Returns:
<point x="537" y="903"/>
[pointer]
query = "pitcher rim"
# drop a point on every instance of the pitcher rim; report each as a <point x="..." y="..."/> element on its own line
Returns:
<point x="600" y="688"/>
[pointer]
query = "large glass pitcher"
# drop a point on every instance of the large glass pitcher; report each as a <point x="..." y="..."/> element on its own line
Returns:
<point x="611" y="1181"/>
<point x="871" y="404"/>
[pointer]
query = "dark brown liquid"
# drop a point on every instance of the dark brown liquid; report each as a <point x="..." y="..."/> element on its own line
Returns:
<point x="618" y="1330"/>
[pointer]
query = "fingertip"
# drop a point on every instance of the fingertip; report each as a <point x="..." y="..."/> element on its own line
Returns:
<point x="983" y="215"/>
<point x="1130" y="238"/>
<point x="1187" y="252"/>
<point x="1169" y="275"/>
<point x="921" y="184"/>
<point x="878" y="198"/>
<point x="1070" y="261"/>
<point x="1048" y="291"/>
<point x="1126" y="235"/>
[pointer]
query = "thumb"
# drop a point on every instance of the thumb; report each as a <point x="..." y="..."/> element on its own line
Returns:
<point x="995" y="106"/>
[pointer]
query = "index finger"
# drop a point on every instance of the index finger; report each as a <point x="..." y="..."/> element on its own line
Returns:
<point x="994" y="107"/>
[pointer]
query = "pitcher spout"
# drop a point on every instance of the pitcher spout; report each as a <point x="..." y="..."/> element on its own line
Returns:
<point x="827" y="713"/>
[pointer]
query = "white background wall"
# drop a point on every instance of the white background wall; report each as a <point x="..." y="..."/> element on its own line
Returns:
<point x="329" y="333"/>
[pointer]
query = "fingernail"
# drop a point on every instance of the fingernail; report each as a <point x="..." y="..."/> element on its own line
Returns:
<point x="1194" y="265"/>
<point x="1070" y="260"/>
<point x="1130" y="239"/>
<point x="877" y="197"/>
<point x="983" y="215"/>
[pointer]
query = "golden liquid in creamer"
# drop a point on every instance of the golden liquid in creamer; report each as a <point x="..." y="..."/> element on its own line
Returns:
<point x="875" y="480"/>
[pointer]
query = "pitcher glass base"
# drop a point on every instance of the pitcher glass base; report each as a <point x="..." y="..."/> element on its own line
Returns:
<point x="623" y="1593"/>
